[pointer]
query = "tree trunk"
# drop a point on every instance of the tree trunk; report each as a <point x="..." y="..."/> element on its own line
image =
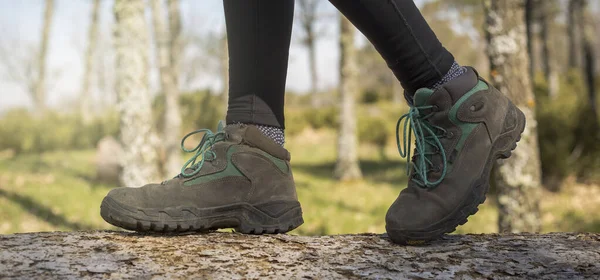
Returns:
<point x="308" y="18"/>
<point x="175" y="40"/>
<point x="314" y="78"/>
<point x="39" y="98"/>
<point x="168" y="81"/>
<point x="550" y="77"/>
<point x="85" y="109"/>
<point x="573" y="33"/>
<point x="346" y="167"/>
<point x="137" y="135"/>
<point x="517" y="178"/>
<point x="225" y="70"/>
<point x="124" y="255"/>
<point x="530" y="6"/>
<point x="589" y="58"/>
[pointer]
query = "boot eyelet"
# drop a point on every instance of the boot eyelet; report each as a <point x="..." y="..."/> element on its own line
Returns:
<point x="435" y="108"/>
<point x="476" y="107"/>
<point x="449" y="134"/>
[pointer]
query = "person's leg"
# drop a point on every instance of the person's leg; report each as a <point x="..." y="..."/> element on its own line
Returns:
<point x="259" y="34"/>
<point x="404" y="39"/>
<point x="461" y="123"/>
<point x="240" y="176"/>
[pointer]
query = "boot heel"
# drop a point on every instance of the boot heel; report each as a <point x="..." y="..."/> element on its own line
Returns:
<point x="273" y="217"/>
<point x="515" y="136"/>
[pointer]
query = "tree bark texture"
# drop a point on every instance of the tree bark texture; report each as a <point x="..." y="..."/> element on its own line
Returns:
<point x="122" y="255"/>
<point x="346" y="166"/>
<point x="39" y="98"/>
<point x="137" y="135"/>
<point x="518" y="178"/>
<point x="86" y="102"/>
<point x="171" y="131"/>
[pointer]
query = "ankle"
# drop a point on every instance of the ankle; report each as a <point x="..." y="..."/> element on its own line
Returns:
<point x="455" y="71"/>
<point x="274" y="133"/>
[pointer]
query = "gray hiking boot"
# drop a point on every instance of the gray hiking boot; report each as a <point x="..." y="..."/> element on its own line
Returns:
<point x="460" y="130"/>
<point x="238" y="178"/>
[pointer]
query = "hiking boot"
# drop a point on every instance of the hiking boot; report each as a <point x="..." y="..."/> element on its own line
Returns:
<point x="238" y="178"/>
<point x="460" y="129"/>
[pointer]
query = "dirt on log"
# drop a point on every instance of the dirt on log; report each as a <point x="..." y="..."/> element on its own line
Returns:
<point x="106" y="254"/>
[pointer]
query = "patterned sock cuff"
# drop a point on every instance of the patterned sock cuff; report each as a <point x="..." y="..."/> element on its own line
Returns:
<point x="275" y="133"/>
<point x="455" y="71"/>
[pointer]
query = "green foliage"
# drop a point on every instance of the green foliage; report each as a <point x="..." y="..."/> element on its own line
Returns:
<point x="199" y="109"/>
<point x="565" y="129"/>
<point x="23" y="132"/>
<point x="295" y="121"/>
<point x="326" y="117"/>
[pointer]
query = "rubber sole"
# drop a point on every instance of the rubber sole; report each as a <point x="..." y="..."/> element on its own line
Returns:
<point x="470" y="206"/>
<point x="271" y="217"/>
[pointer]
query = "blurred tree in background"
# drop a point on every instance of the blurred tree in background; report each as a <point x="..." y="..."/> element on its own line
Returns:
<point x="517" y="178"/>
<point x="86" y="96"/>
<point x="137" y="133"/>
<point x="346" y="166"/>
<point x="166" y="44"/>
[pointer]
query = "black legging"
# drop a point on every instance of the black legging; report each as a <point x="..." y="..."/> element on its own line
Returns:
<point x="259" y="33"/>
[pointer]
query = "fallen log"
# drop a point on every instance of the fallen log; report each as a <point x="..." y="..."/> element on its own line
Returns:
<point x="106" y="254"/>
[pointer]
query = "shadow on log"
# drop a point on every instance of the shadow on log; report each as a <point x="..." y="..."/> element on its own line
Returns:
<point x="104" y="254"/>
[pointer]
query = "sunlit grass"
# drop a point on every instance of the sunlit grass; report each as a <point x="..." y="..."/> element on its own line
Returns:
<point x="57" y="191"/>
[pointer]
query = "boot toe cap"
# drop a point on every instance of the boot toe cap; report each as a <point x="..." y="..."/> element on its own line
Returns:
<point x="415" y="211"/>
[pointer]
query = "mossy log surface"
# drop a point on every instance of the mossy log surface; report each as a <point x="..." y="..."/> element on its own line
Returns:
<point x="106" y="254"/>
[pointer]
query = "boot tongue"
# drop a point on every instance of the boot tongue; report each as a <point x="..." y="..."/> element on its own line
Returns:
<point x="422" y="96"/>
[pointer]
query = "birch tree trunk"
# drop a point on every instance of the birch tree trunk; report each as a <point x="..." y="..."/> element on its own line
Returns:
<point x="85" y="108"/>
<point x="308" y="19"/>
<point x="39" y="98"/>
<point x="517" y="178"/>
<point x="125" y="255"/>
<point x="346" y="166"/>
<point x="175" y="39"/>
<point x="314" y="77"/>
<point x="131" y="41"/>
<point x="168" y="81"/>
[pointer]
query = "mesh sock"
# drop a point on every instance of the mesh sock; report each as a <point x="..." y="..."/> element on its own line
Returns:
<point x="455" y="71"/>
<point x="275" y="133"/>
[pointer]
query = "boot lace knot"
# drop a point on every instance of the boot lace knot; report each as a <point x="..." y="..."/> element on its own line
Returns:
<point x="203" y="150"/>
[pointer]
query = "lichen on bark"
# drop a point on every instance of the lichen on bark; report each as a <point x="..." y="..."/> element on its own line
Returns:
<point x="518" y="179"/>
<point x="123" y="255"/>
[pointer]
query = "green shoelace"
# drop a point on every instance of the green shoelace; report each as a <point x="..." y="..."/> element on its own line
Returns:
<point x="203" y="149"/>
<point x="425" y="136"/>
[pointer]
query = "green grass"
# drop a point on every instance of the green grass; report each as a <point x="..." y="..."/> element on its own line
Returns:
<point x="57" y="191"/>
<point x="53" y="191"/>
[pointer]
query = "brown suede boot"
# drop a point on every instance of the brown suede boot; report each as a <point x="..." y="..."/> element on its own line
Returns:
<point x="238" y="178"/>
<point x="460" y="130"/>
